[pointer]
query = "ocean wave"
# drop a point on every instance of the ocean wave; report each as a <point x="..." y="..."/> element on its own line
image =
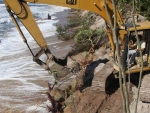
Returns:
<point x="5" y="20"/>
<point x="2" y="5"/>
<point x="10" y="36"/>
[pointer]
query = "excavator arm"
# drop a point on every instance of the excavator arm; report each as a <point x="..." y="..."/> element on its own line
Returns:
<point x="21" y="9"/>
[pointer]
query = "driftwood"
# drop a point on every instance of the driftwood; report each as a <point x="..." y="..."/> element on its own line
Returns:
<point x="56" y="107"/>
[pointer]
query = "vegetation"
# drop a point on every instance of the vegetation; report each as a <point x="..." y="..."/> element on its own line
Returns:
<point x="78" y="28"/>
<point x="141" y="7"/>
<point x="84" y="39"/>
<point x="61" y="30"/>
<point x="74" y="20"/>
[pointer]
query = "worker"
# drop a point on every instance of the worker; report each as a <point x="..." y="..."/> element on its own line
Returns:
<point x="135" y="52"/>
<point x="49" y="17"/>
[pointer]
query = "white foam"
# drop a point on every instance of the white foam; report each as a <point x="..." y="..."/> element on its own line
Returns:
<point x="5" y="20"/>
<point x="16" y="62"/>
<point x="12" y="42"/>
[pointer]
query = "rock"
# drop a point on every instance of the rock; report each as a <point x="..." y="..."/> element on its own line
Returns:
<point x="99" y="22"/>
<point x="138" y="18"/>
<point x="83" y="13"/>
<point x="57" y="94"/>
<point x="101" y="53"/>
<point x="98" y="68"/>
<point x="73" y="65"/>
<point x="90" y="101"/>
<point x="74" y="84"/>
<point x="59" y="71"/>
<point x="67" y="109"/>
<point x="80" y="77"/>
<point x="65" y="85"/>
<point x="73" y="99"/>
<point x="80" y="57"/>
<point x="89" y="72"/>
<point x="65" y="88"/>
<point x="103" y="78"/>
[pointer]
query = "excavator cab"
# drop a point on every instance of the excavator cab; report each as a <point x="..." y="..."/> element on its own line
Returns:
<point x="143" y="37"/>
<point x="145" y="34"/>
<point x="143" y="30"/>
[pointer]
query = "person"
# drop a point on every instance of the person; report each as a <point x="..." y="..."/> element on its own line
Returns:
<point x="135" y="52"/>
<point x="49" y="17"/>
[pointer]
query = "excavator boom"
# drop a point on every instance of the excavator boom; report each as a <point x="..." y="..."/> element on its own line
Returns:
<point x="21" y="9"/>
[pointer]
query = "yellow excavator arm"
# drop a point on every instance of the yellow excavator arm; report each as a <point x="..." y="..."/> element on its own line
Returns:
<point x="21" y="9"/>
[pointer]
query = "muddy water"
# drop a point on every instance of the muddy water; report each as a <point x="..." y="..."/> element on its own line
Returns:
<point x="22" y="82"/>
<point x="25" y="90"/>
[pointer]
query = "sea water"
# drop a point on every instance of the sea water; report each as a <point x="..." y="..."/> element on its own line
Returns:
<point x="17" y="68"/>
<point x="11" y="42"/>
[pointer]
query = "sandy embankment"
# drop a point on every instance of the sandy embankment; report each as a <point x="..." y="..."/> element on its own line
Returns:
<point x="24" y="91"/>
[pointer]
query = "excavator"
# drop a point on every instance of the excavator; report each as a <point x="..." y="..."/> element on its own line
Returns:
<point x="125" y="32"/>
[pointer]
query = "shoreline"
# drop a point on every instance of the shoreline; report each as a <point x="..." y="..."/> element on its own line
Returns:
<point x="59" y="48"/>
<point x="26" y="93"/>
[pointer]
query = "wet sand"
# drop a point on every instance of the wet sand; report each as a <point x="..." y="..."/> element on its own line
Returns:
<point x="25" y="91"/>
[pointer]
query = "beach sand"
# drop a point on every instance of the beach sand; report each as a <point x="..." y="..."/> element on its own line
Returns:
<point x="26" y="92"/>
